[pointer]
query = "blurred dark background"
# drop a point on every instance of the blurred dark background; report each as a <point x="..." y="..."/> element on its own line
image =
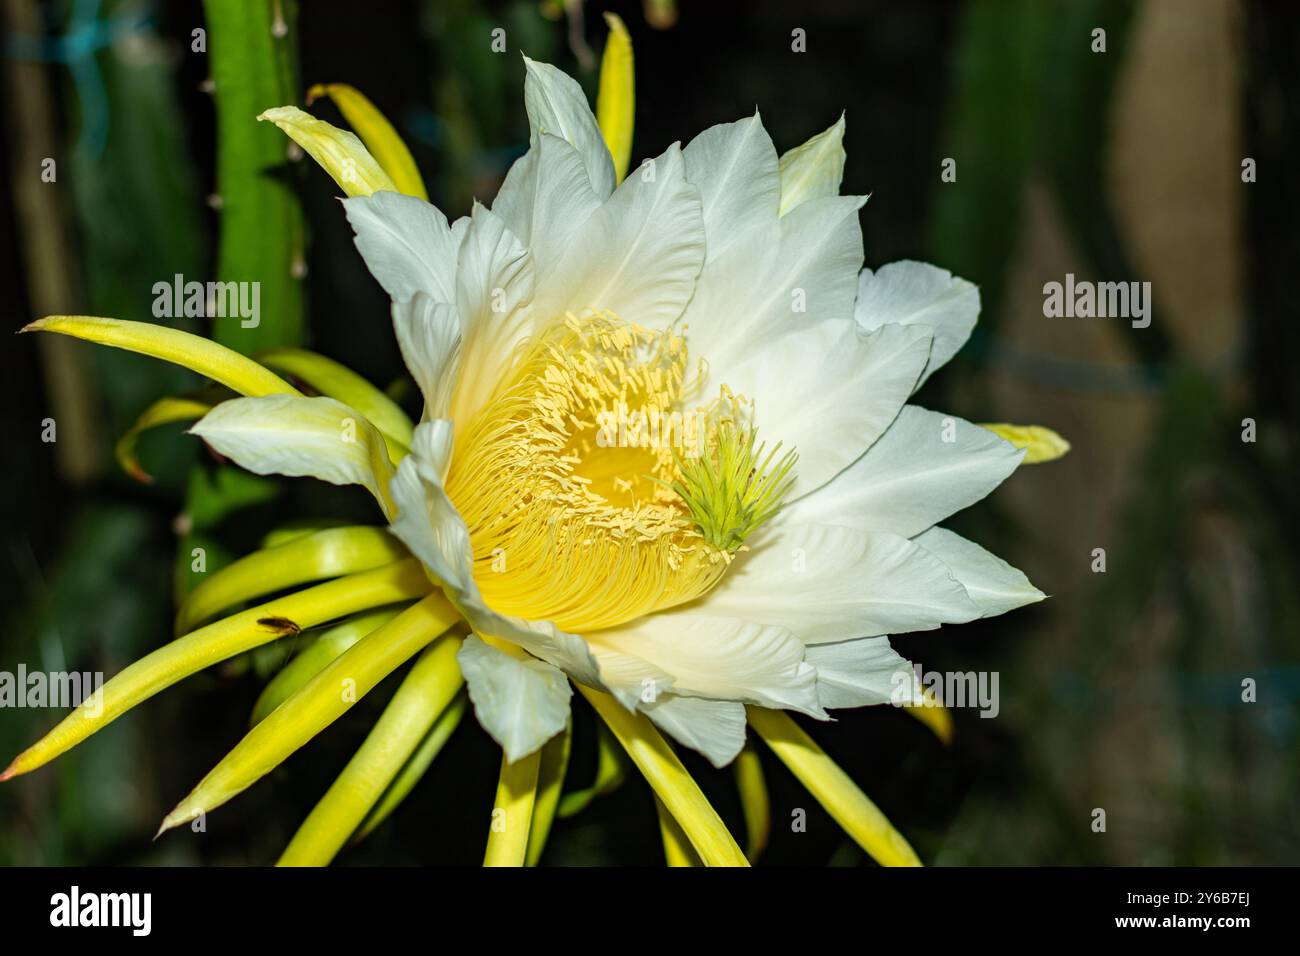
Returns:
<point x="1122" y="692"/>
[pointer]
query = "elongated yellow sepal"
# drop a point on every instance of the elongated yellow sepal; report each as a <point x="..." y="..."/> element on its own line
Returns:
<point x="193" y="352"/>
<point x="299" y="528"/>
<point x="378" y="135"/>
<point x="616" y="98"/>
<point x="677" y="848"/>
<point x="933" y="715"/>
<point x="841" y="797"/>
<point x="324" y="698"/>
<point x="327" y="644"/>
<point x="337" y="151"/>
<point x="219" y="641"/>
<point x="512" y="811"/>
<point x="415" y="767"/>
<point x="670" y="780"/>
<point x="550" y="781"/>
<point x="610" y="764"/>
<point x="426" y="691"/>
<point x="1042" y="443"/>
<point x="325" y="554"/>
<point x="165" y="411"/>
<point x="336" y="380"/>
<point x="754" y="802"/>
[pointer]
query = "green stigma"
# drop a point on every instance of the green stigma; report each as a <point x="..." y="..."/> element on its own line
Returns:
<point x="733" y="487"/>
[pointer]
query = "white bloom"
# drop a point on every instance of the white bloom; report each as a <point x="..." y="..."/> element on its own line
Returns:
<point x="716" y="282"/>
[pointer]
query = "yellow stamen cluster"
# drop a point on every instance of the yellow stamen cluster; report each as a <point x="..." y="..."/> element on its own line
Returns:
<point x="592" y="494"/>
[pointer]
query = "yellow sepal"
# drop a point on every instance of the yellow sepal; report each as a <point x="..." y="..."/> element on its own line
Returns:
<point x="339" y="153"/>
<point x="377" y="133"/>
<point x="933" y="715"/>
<point x="193" y="352"/>
<point x="335" y="380"/>
<point x="318" y="703"/>
<point x="1042" y="443"/>
<point x="671" y="782"/>
<point x="165" y="411"/>
<point x="428" y="689"/>
<point x="219" y="641"/>
<point x="331" y="553"/>
<point x="512" y="811"/>
<point x="616" y="98"/>
<point x="834" y="790"/>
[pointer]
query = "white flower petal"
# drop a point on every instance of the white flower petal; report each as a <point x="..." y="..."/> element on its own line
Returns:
<point x="428" y="334"/>
<point x="632" y="679"/>
<point x="863" y="672"/>
<point x="521" y="702"/>
<point x="826" y="583"/>
<point x="719" y="657"/>
<point x="545" y="199"/>
<point x="430" y="526"/>
<point x="494" y="286"/>
<point x="715" y="728"/>
<point x="995" y="586"/>
<point x="301" y="437"/>
<point x="814" y="169"/>
<point x="734" y="167"/>
<point x="798" y="270"/>
<point x="556" y="104"/>
<point x="914" y="293"/>
<point x="911" y="478"/>
<point x="829" y="391"/>
<point x="638" y="255"/>
<point x="406" y="243"/>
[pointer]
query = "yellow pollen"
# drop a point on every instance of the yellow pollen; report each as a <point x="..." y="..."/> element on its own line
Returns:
<point x="577" y="478"/>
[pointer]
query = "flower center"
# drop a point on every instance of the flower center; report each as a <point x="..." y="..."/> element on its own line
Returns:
<point x="594" y="490"/>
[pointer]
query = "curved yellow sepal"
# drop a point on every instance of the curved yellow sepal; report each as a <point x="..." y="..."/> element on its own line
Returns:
<point x="1042" y="443"/>
<point x="165" y="411"/>
<point x="677" y="848"/>
<point x="754" y="802"/>
<point x="671" y="782"/>
<point x="933" y="715"/>
<point x="609" y="775"/>
<point x="331" y="553"/>
<point x="335" y="380"/>
<point x="320" y="702"/>
<point x="550" y="782"/>
<point x="834" y="790"/>
<point x="428" y="689"/>
<point x="512" y="811"/>
<point x="325" y="645"/>
<point x="413" y="770"/>
<point x="377" y="133"/>
<point x="339" y="153"/>
<point x="193" y="352"/>
<point x="217" y="642"/>
<point x="616" y="98"/>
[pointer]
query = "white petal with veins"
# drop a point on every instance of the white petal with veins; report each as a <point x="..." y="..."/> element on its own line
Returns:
<point x="915" y="293"/>
<point x="995" y="586"/>
<point x="912" y="477"/>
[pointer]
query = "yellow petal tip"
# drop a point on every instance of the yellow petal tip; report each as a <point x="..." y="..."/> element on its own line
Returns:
<point x="1041" y="444"/>
<point x="176" y="818"/>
